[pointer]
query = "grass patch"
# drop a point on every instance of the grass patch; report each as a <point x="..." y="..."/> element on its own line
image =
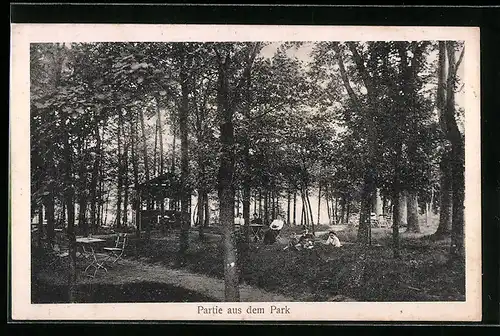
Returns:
<point x="422" y="273"/>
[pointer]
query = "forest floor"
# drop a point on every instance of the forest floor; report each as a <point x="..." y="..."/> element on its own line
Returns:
<point x="136" y="281"/>
<point x="350" y="273"/>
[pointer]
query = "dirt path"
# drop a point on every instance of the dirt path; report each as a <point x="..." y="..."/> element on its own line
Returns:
<point x="131" y="271"/>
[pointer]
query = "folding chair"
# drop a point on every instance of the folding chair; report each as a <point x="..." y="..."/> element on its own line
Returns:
<point x="117" y="251"/>
<point x="277" y="234"/>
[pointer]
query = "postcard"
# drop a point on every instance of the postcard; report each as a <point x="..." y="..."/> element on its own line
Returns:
<point x="257" y="173"/>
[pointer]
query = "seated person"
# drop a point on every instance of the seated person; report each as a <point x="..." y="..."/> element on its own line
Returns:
<point x="333" y="240"/>
<point x="304" y="243"/>
<point x="274" y="229"/>
<point x="307" y="239"/>
<point x="307" y="234"/>
<point x="277" y="224"/>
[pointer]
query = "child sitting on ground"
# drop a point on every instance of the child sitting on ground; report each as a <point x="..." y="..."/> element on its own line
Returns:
<point x="304" y="241"/>
<point x="333" y="240"/>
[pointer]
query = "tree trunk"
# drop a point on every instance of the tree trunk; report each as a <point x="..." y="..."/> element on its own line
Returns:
<point x="246" y="198"/>
<point x="431" y="202"/>
<point x="302" y="217"/>
<point x="100" y="206"/>
<point x="199" y="209"/>
<point x="135" y="168"/>
<point x="260" y="202"/>
<point x="277" y="204"/>
<point x="185" y="194"/>
<point x="173" y="149"/>
<point x="244" y="248"/>
<point x="396" y="219"/>
<point x="144" y="145"/>
<point x="207" y="211"/>
<point x="201" y="213"/>
<point x="403" y="213"/>
<point x="162" y="163"/>
<point x="226" y="188"/>
<point x="288" y="201"/>
<point x="457" y="248"/>
<point x="335" y="210"/>
<point x="294" y="207"/>
<point x="273" y="204"/>
<point x="155" y="150"/>
<point x="255" y="202"/>
<point x="348" y="210"/>
<point x="446" y="193"/>
<point x="125" y="184"/>
<point x="310" y="211"/>
<point x="120" y="171"/>
<point x="266" y="207"/>
<point x="384" y="205"/>
<point x="328" y="207"/>
<point x="398" y="200"/>
<point x="105" y="209"/>
<point x="238" y="201"/>
<point x="101" y="193"/>
<point x="412" y="205"/>
<point x="202" y="203"/>
<point x="319" y="204"/>
<point x="82" y="194"/>
<point x="303" y="213"/>
<point x="49" y="198"/>
<point x="96" y="169"/>
<point x="146" y="167"/>
<point x="82" y="209"/>
<point x="427" y="214"/>
<point x="50" y="214"/>
<point x="69" y="199"/>
<point x="343" y="212"/>
<point x="72" y="243"/>
<point x="368" y="114"/>
<point x="364" y="228"/>
<point x="160" y="137"/>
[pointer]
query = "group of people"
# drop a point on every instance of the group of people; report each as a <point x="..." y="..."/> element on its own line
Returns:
<point x="305" y="241"/>
<point x="270" y="234"/>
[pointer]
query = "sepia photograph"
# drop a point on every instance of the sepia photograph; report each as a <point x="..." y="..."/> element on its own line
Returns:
<point x="240" y="178"/>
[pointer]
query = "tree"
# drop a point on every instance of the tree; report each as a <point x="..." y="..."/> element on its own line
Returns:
<point x="455" y="138"/>
<point x="230" y="79"/>
<point x="183" y="126"/>
<point x="366" y="111"/>
<point x="387" y="117"/>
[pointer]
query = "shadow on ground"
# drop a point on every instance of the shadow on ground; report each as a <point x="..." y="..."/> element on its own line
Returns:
<point x="104" y="293"/>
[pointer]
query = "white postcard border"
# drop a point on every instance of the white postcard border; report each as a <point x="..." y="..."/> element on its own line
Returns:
<point x="22" y="309"/>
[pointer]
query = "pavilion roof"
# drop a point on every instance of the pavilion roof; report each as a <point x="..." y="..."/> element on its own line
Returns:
<point x="166" y="185"/>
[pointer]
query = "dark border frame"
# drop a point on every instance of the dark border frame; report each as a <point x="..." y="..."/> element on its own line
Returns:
<point x="487" y="18"/>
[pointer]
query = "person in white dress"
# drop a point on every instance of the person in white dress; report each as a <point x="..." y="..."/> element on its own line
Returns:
<point x="274" y="230"/>
<point x="333" y="240"/>
<point x="277" y="224"/>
